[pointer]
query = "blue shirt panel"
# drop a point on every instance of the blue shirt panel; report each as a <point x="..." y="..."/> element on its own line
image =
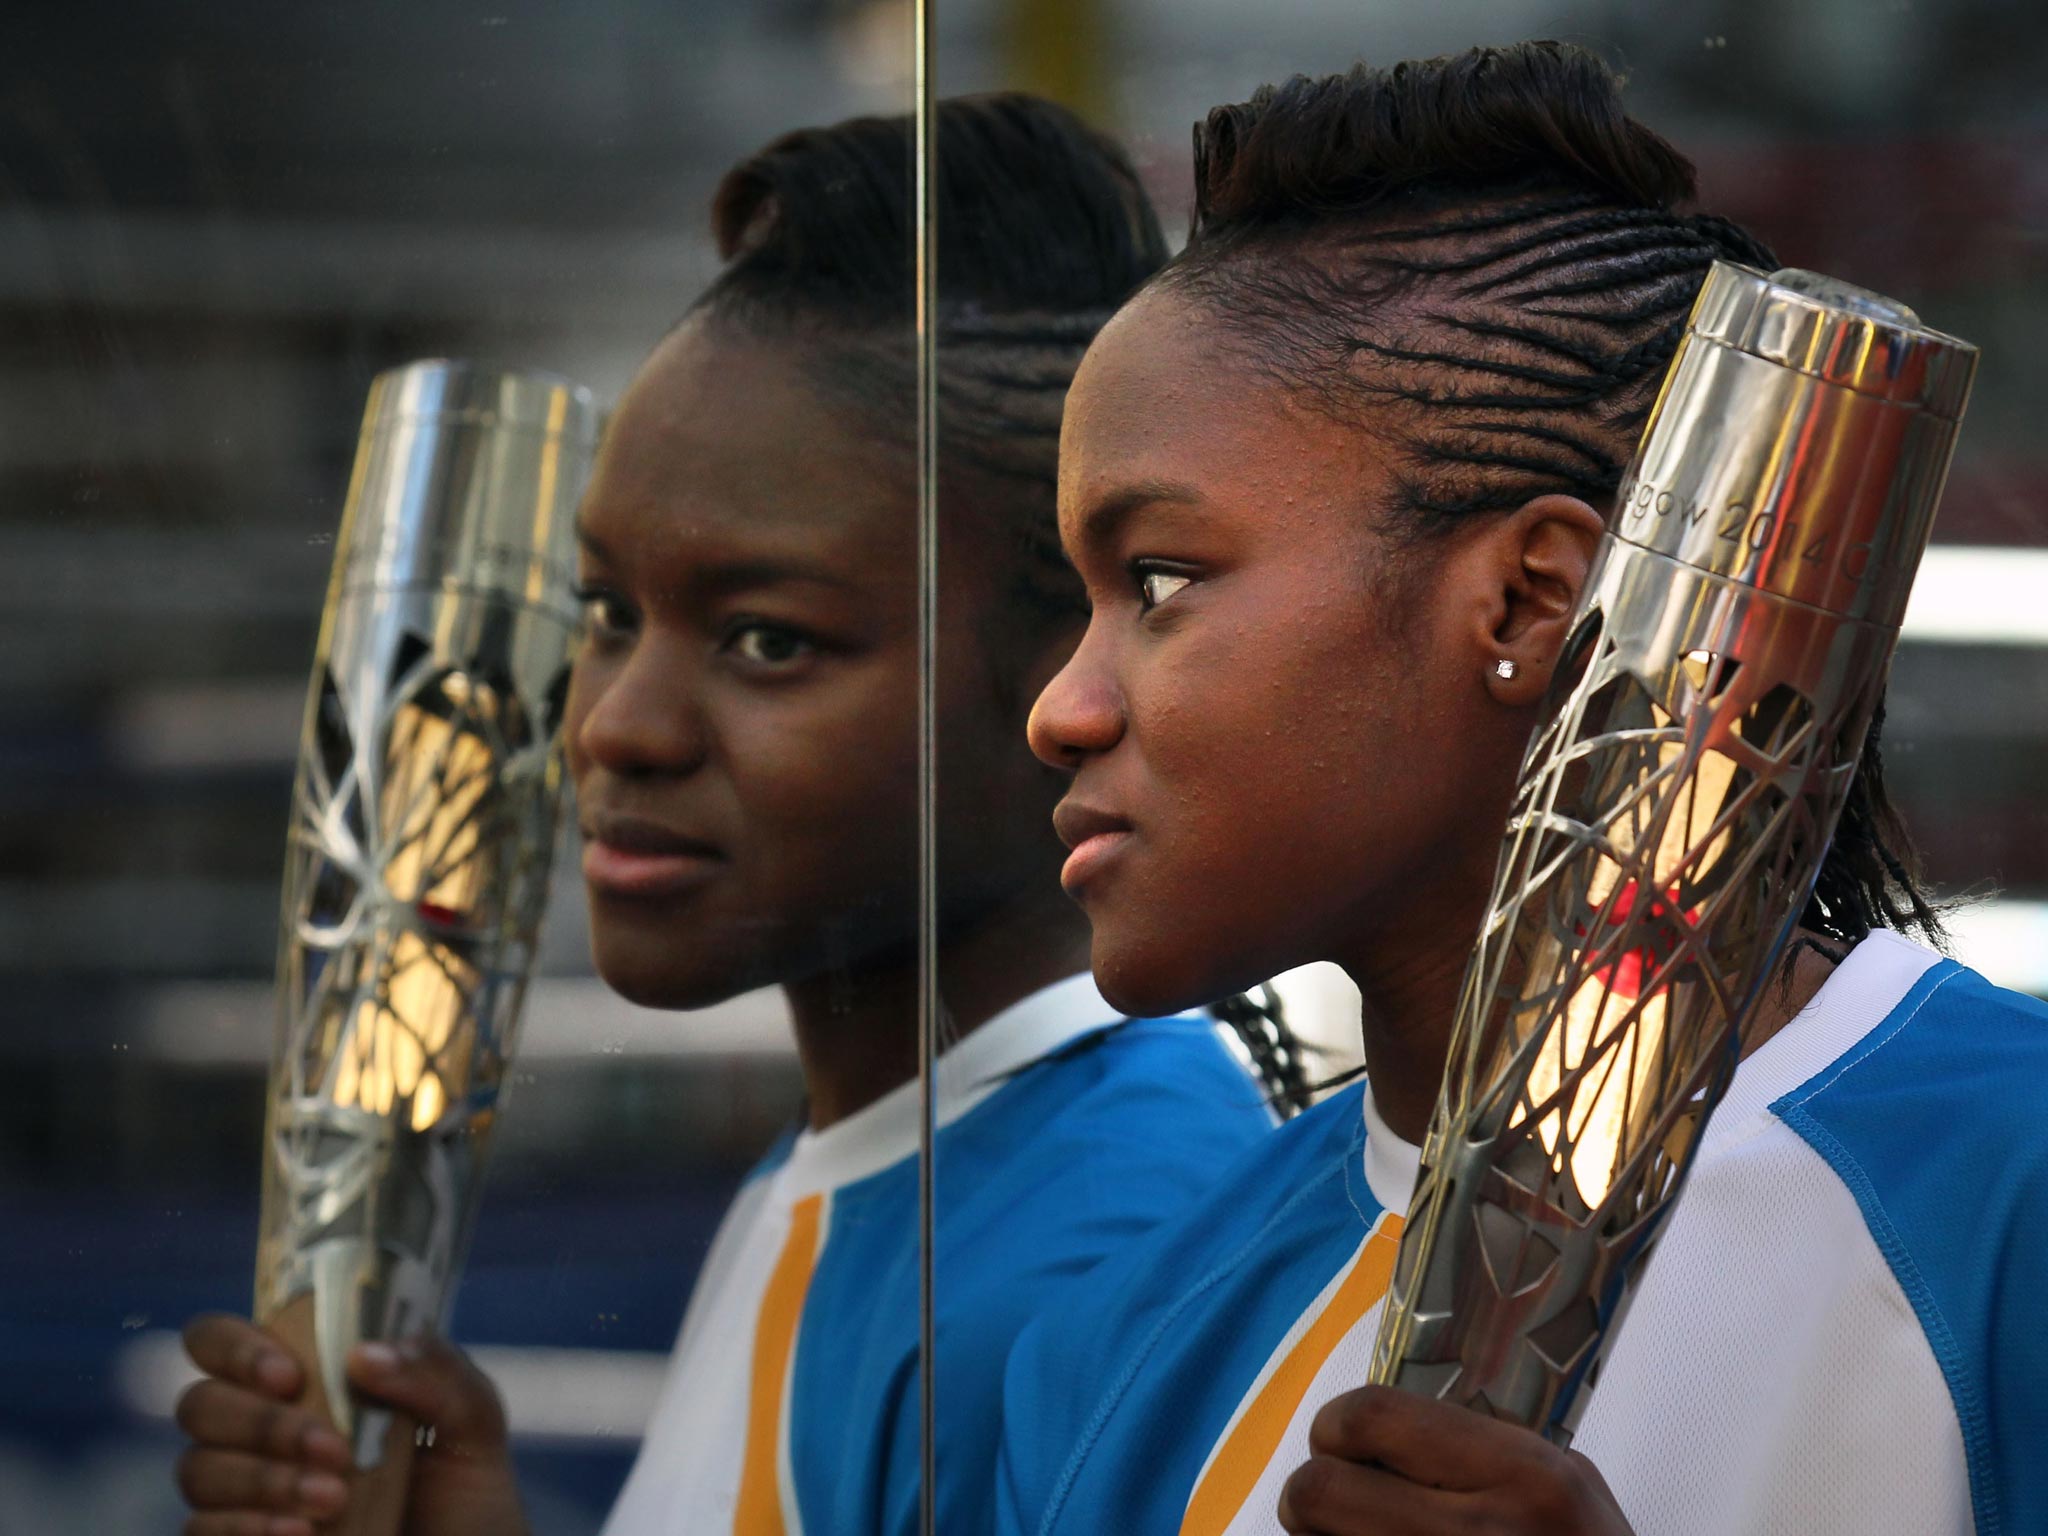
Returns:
<point x="1937" y="1122"/>
<point x="1113" y="1401"/>
<point x="1067" y="1163"/>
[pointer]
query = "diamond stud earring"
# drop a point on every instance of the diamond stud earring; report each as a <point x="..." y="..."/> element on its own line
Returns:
<point x="1505" y="669"/>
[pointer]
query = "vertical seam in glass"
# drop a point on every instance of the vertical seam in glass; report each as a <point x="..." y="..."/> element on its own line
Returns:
<point x="924" y="68"/>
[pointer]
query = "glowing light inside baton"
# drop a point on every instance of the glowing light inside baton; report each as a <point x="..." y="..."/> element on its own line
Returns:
<point x="1597" y="1082"/>
<point x="396" y="1049"/>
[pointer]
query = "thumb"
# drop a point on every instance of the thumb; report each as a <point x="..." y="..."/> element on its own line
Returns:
<point x="436" y="1384"/>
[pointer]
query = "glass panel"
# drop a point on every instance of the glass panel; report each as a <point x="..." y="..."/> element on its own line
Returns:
<point x="223" y="234"/>
<point x="1331" y="489"/>
<point x="1067" y="1128"/>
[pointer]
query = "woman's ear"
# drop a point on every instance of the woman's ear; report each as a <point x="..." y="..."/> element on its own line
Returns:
<point x="1546" y="553"/>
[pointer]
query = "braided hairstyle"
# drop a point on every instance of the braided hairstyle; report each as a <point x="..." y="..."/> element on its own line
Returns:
<point x="1489" y="245"/>
<point x="1044" y="230"/>
<point x="1280" y="1059"/>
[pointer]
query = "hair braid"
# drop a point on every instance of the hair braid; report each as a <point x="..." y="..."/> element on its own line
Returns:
<point x="1733" y="241"/>
<point x="1278" y="1058"/>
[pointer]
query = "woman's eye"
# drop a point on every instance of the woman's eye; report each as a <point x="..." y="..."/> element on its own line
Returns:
<point x="768" y="645"/>
<point x="1155" y="587"/>
<point x="606" y="615"/>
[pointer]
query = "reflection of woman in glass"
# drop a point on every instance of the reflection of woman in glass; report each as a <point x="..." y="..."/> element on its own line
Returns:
<point x="1344" y="458"/>
<point x="742" y="727"/>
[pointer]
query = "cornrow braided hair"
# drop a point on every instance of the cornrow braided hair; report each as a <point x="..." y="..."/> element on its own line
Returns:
<point x="1002" y="383"/>
<point x="1259" y="1021"/>
<point x="1483" y="261"/>
<point x="1044" y="230"/>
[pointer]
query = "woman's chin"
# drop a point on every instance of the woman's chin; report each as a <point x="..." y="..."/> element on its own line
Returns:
<point x="1148" y="985"/>
<point x="669" y="980"/>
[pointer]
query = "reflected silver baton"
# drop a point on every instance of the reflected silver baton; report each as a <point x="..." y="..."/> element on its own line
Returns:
<point x="1701" y="736"/>
<point x="423" y="824"/>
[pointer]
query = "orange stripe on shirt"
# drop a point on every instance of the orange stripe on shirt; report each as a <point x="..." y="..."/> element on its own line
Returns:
<point x="1245" y="1453"/>
<point x="759" y="1512"/>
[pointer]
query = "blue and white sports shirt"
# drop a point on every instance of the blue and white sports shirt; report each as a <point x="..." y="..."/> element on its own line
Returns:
<point x="791" y="1402"/>
<point x="1844" y="1329"/>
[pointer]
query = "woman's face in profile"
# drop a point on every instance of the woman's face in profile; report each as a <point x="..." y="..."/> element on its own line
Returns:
<point x="1278" y="755"/>
<point x="742" y="716"/>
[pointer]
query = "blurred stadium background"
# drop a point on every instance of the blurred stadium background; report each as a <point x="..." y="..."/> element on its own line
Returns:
<point x="216" y="223"/>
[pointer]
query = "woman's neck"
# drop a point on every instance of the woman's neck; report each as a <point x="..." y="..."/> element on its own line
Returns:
<point x="1408" y="971"/>
<point x="1405" y="1017"/>
<point x="856" y="1027"/>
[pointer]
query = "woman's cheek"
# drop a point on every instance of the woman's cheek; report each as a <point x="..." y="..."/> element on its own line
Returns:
<point x="1202" y="717"/>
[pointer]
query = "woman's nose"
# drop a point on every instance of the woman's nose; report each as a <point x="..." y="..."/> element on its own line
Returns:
<point x="635" y="715"/>
<point x="1080" y="713"/>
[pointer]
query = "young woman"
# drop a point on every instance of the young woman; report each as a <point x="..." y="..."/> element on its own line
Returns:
<point x="741" y="729"/>
<point x="1346" y="455"/>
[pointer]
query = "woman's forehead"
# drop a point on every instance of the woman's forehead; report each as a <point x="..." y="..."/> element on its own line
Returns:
<point x="1165" y="398"/>
<point x="1158" y="344"/>
<point x="722" y="440"/>
<point x="714" y="395"/>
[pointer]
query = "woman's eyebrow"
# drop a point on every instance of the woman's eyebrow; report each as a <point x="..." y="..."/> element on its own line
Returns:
<point x="1104" y="520"/>
<point x="727" y="578"/>
<point x="724" y="578"/>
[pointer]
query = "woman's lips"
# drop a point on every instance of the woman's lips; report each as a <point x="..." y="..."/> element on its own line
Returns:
<point x="628" y="857"/>
<point x="1094" y="834"/>
<point x="1089" y="857"/>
